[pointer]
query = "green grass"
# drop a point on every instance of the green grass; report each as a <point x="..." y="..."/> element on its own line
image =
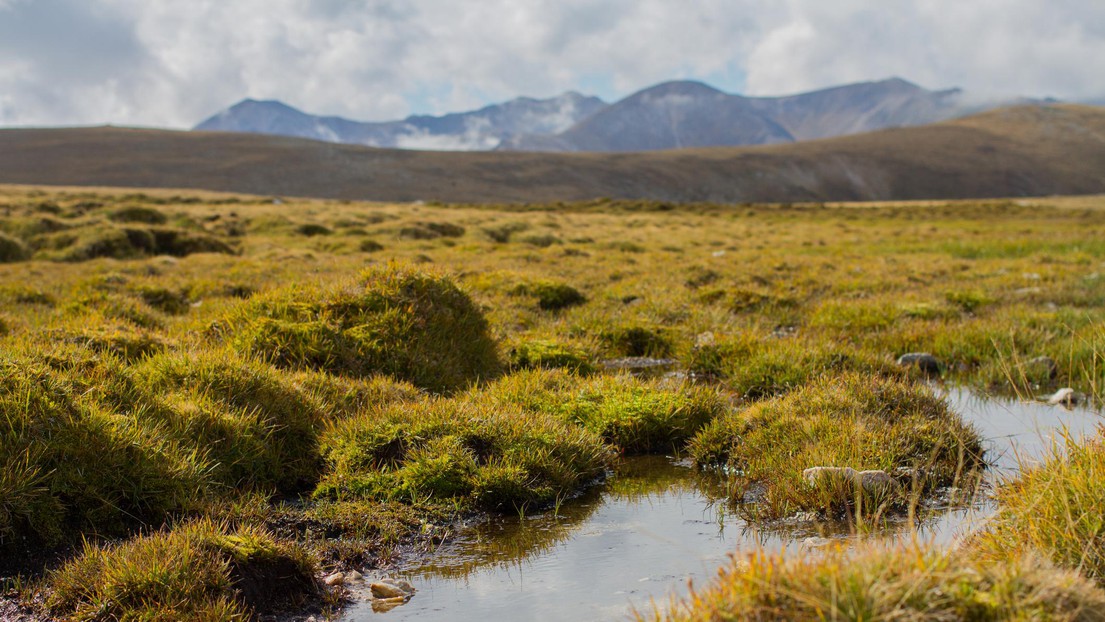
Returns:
<point x="464" y="451"/>
<point x="411" y="324"/>
<point x="175" y="357"/>
<point x="1054" y="510"/>
<point x="856" y="421"/>
<point x="911" y="584"/>
<point x="198" y="571"/>
<point x="636" y="416"/>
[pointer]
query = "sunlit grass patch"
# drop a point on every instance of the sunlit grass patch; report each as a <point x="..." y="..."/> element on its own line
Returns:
<point x="72" y="464"/>
<point x="888" y="584"/>
<point x="1054" y="509"/>
<point x="414" y="325"/>
<point x="547" y="354"/>
<point x="198" y="571"/>
<point x="465" y="451"/>
<point x="637" y="416"/>
<point x="856" y="421"/>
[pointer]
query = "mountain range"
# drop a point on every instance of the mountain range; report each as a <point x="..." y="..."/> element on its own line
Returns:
<point x="1017" y="151"/>
<point x="478" y="130"/>
<point x="670" y="115"/>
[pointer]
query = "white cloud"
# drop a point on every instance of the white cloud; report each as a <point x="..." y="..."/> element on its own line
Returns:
<point x="174" y="62"/>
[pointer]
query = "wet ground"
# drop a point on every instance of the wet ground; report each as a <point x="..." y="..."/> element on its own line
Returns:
<point x="636" y="541"/>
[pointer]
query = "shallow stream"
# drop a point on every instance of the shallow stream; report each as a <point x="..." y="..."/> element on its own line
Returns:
<point x="638" y="539"/>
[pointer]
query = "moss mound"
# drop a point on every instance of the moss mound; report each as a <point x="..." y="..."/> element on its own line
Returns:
<point x="139" y="214"/>
<point x="407" y="323"/>
<point x="12" y="249"/>
<point x="637" y="416"/>
<point x="545" y="354"/>
<point x="461" y="450"/>
<point x="551" y="295"/>
<point x="856" y="421"/>
<point x="200" y="571"/>
<point x="72" y="462"/>
<point x="251" y="421"/>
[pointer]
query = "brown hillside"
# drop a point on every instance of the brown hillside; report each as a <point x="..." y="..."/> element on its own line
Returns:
<point x="1023" y="151"/>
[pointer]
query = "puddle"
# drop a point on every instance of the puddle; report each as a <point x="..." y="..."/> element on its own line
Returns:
<point x="638" y="539"/>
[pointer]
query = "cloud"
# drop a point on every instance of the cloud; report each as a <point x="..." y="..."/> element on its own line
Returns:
<point x="173" y="63"/>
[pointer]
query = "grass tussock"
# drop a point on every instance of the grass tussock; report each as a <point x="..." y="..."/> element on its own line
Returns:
<point x="414" y="325"/>
<point x="75" y="464"/>
<point x="1054" y="510"/>
<point x="913" y="584"/>
<point x="199" y="571"/>
<point x="547" y="354"/>
<point x="635" y="415"/>
<point x="465" y="452"/>
<point x="855" y="421"/>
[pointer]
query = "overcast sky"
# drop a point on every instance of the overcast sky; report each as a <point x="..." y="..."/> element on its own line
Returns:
<point x="173" y="63"/>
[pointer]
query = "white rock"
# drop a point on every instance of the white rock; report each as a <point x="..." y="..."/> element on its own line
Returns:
<point x="391" y="588"/>
<point x="1065" y="396"/>
<point x="816" y="542"/>
<point x="353" y="575"/>
<point x="813" y="474"/>
<point x="337" y="578"/>
<point x="875" y="480"/>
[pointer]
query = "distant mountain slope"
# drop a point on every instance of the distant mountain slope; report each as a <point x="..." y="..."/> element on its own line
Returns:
<point x="675" y="115"/>
<point x="1021" y="151"/>
<point x="481" y="129"/>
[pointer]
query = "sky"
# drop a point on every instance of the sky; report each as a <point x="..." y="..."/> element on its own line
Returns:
<point x="171" y="63"/>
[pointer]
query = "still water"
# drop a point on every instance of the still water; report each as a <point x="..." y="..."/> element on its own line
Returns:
<point x="636" y="541"/>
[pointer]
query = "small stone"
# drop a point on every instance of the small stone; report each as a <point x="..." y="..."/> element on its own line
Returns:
<point x="388" y="588"/>
<point x="816" y="542"/>
<point x="814" y="474"/>
<point x="337" y="578"/>
<point x="1065" y="397"/>
<point x="923" y="361"/>
<point x="353" y="575"/>
<point x="705" y="339"/>
<point x="875" y="480"/>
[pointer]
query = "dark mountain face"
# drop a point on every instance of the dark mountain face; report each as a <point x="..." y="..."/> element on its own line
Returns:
<point x="481" y="129"/>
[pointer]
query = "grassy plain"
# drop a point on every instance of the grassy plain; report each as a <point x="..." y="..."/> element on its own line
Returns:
<point x="315" y="385"/>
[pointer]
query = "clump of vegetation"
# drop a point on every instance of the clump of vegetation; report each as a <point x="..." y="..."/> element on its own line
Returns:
<point x="414" y="325"/>
<point x="138" y="213"/>
<point x="164" y="299"/>
<point x="551" y="295"/>
<point x="638" y="341"/>
<point x="431" y="231"/>
<point x="855" y="421"/>
<point x="545" y="354"/>
<point x="1054" y="510"/>
<point x="312" y="229"/>
<point x="12" y="249"/>
<point x="910" y="584"/>
<point x="257" y="428"/>
<point x="72" y="464"/>
<point x="129" y="343"/>
<point x="128" y="242"/>
<point x="198" y="571"/>
<point x="637" y="416"/>
<point x="758" y="367"/>
<point x="370" y="246"/>
<point x="461" y="451"/>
